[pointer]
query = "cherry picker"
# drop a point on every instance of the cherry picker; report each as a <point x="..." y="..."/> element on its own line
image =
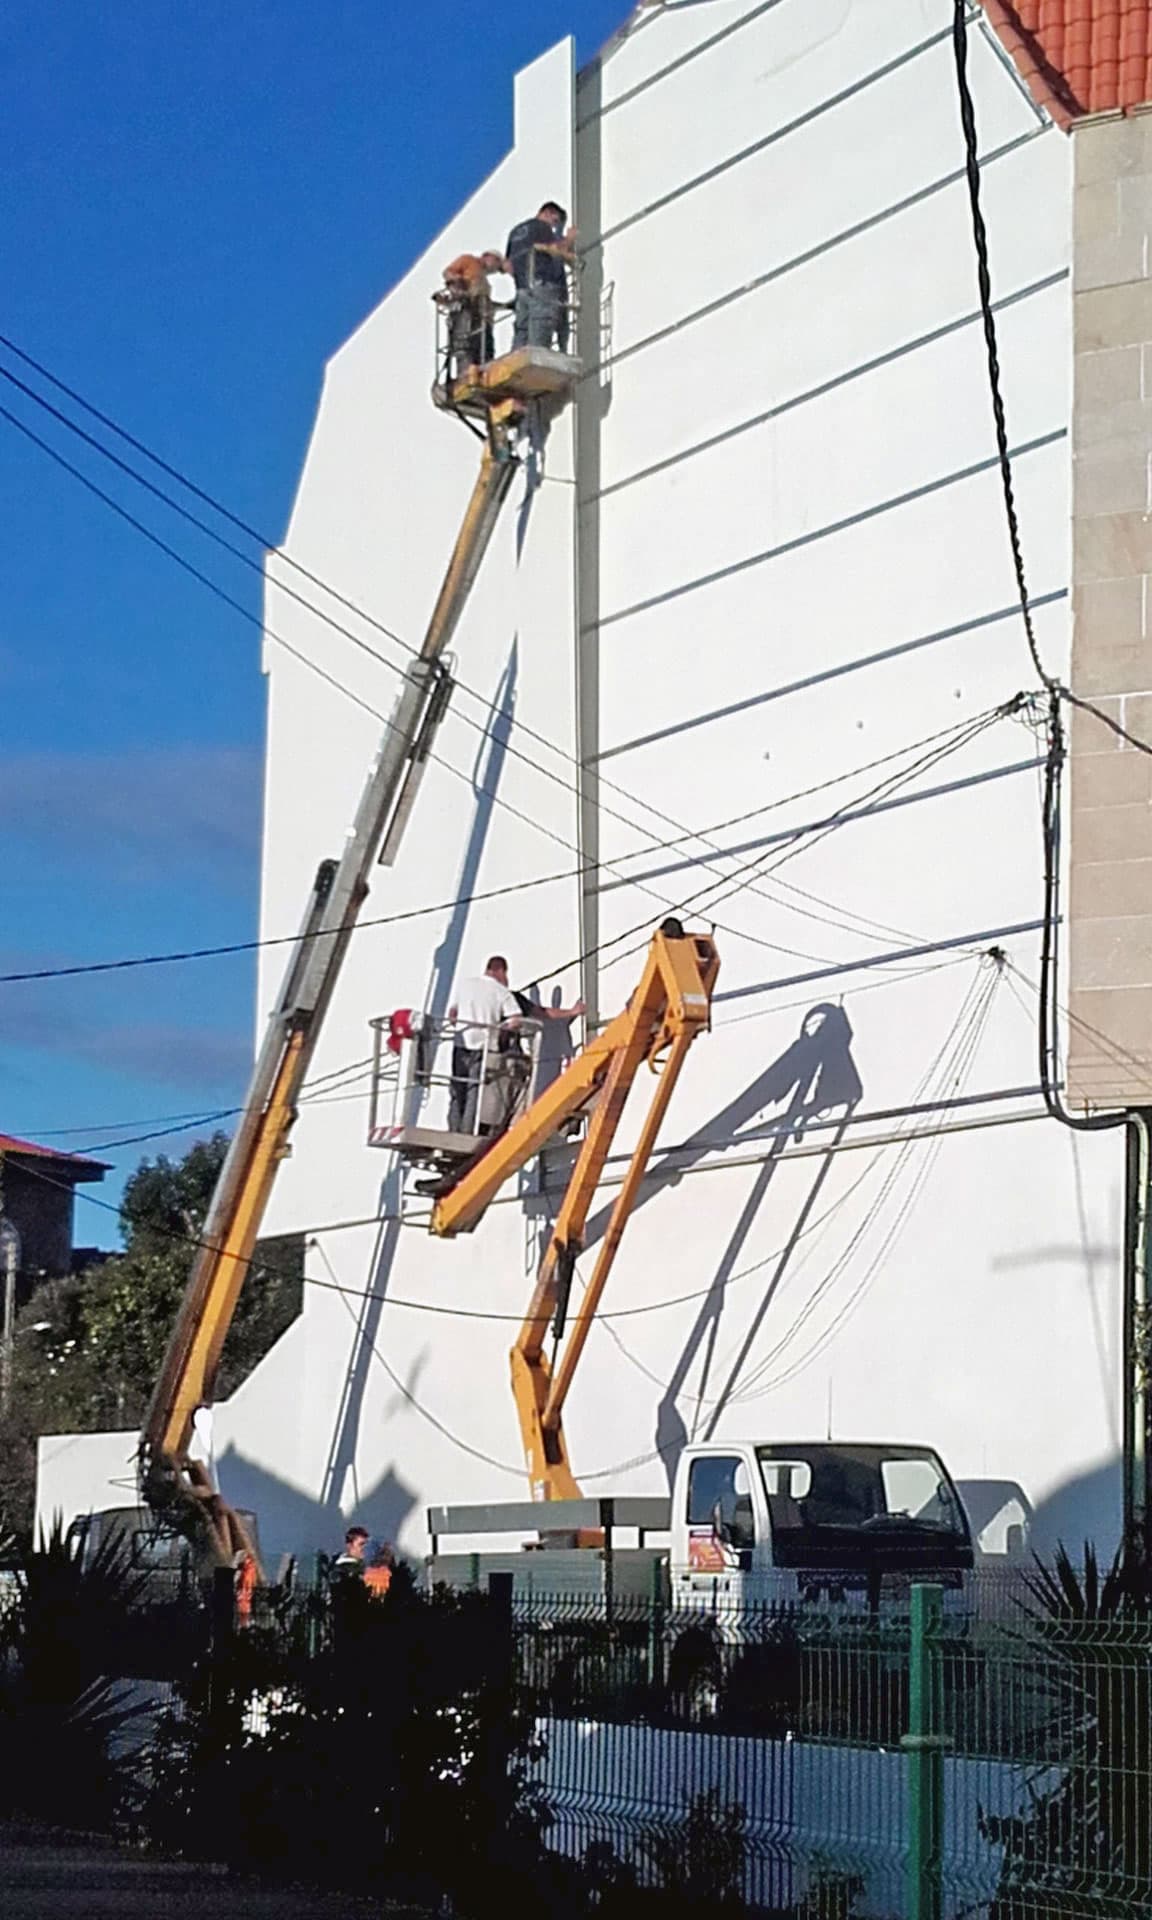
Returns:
<point x="498" y="401"/>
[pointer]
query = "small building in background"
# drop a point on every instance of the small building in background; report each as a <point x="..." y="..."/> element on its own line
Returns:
<point x="38" y="1195"/>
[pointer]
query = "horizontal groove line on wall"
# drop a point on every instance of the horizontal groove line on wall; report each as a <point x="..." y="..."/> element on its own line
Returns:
<point x="859" y="665"/>
<point x="811" y="114"/>
<point x="795" y="261"/>
<point x="892" y="504"/>
<point x="824" y="387"/>
<point x="846" y="817"/>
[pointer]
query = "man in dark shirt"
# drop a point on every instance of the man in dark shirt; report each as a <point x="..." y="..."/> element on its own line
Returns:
<point x="539" y="252"/>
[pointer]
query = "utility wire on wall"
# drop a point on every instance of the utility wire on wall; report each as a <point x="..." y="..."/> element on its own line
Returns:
<point x="1058" y="694"/>
<point x="227" y="949"/>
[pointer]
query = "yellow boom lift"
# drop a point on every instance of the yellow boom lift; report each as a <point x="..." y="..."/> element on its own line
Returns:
<point x="671" y="1005"/>
<point x="177" y="1488"/>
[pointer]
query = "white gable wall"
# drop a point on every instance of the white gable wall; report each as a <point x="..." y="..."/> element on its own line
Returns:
<point x="789" y="520"/>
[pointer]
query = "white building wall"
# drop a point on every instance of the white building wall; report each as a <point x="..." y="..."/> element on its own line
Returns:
<point x="801" y="567"/>
<point x="784" y="559"/>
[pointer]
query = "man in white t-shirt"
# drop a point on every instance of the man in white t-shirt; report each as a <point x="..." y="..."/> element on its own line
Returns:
<point x="482" y="1006"/>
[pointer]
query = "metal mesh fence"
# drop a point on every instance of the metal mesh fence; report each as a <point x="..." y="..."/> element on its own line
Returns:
<point x="983" y="1752"/>
<point x="993" y="1758"/>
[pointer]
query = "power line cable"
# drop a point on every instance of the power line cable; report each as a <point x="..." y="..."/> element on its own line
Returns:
<point x="949" y="1068"/>
<point x="941" y="744"/>
<point x="414" y="1401"/>
<point x="347" y="1093"/>
<point x="254" y="619"/>
<point x="1048" y="1036"/>
<point x="228" y="949"/>
<point x="399" y="1302"/>
<point x="988" y="317"/>
<point x="1121" y="1055"/>
<point x="487" y="731"/>
<point x="682" y="831"/>
<point x="165" y="1124"/>
<point x="984" y="281"/>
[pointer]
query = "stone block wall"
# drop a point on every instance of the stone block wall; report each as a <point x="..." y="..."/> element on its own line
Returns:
<point x="1110" y="897"/>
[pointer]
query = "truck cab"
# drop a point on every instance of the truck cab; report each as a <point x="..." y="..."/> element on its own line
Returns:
<point x="826" y="1521"/>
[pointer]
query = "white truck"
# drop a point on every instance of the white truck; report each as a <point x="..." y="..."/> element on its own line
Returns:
<point x="827" y="1522"/>
<point x="717" y="1589"/>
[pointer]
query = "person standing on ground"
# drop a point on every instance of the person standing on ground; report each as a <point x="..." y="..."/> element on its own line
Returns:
<point x="349" y="1565"/>
<point x="539" y="254"/>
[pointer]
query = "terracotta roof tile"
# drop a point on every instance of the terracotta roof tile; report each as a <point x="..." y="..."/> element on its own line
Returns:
<point x="28" y="1150"/>
<point x="1079" y="56"/>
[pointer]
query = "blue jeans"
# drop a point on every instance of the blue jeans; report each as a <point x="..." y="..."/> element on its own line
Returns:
<point x="541" y="318"/>
<point x="464" y="1093"/>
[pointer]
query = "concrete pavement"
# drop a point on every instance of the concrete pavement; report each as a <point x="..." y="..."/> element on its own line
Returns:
<point x="45" y="1879"/>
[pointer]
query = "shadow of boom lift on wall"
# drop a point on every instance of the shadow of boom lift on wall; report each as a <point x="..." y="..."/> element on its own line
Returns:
<point x="813" y="1078"/>
<point x="486" y="774"/>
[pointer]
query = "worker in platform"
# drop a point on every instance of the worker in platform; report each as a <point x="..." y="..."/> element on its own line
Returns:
<point x="486" y="1010"/>
<point x="467" y="298"/>
<point x="540" y="252"/>
<point x="483" y="1007"/>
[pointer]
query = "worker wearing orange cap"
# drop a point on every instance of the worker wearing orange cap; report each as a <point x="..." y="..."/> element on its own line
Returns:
<point x="467" y="297"/>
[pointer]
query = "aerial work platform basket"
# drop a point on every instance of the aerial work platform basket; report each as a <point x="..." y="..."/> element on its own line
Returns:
<point x="415" y="1086"/>
<point x="474" y="378"/>
<point x="525" y="374"/>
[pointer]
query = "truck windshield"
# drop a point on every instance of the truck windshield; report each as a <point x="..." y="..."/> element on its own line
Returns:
<point x="831" y="1495"/>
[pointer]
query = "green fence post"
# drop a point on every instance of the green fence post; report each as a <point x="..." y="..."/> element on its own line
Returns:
<point x="924" y="1744"/>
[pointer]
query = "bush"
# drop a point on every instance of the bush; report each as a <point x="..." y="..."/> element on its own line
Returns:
<point x="376" y="1743"/>
<point x="63" y="1717"/>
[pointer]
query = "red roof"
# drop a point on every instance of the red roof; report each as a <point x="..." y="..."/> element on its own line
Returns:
<point x="1079" y="56"/>
<point x="28" y="1150"/>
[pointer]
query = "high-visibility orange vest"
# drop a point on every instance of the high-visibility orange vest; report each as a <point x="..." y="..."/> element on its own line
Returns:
<point x="245" y="1588"/>
<point x="378" y="1580"/>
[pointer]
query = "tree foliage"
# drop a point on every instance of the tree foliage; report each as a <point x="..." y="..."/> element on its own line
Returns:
<point x="89" y="1346"/>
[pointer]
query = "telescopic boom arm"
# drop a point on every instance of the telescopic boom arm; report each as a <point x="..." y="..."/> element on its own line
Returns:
<point x="177" y="1488"/>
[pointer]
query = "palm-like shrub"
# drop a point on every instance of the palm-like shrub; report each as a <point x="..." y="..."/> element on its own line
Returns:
<point x="1083" y="1848"/>
<point x="64" y="1628"/>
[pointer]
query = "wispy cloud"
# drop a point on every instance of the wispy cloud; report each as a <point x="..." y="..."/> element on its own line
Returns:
<point x="139" y="811"/>
<point x="205" y="1059"/>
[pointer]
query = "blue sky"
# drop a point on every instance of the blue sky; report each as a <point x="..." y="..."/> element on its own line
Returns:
<point x="199" y="204"/>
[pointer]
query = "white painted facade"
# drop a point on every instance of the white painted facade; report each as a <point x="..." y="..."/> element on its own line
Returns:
<point x="768" y="550"/>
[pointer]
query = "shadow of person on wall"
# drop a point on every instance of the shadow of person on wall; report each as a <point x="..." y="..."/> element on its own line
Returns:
<point x="556" y="1046"/>
<point x="292" y="1523"/>
<point x="816" y="1076"/>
